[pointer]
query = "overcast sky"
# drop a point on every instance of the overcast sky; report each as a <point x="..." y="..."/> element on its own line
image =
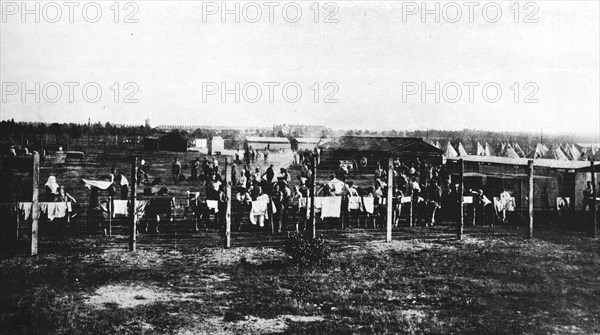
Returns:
<point x="371" y="57"/>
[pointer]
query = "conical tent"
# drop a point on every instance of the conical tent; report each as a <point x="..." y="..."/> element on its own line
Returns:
<point x="510" y="153"/>
<point x="461" y="150"/>
<point x="450" y="152"/>
<point x="489" y="151"/>
<point x="559" y="154"/>
<point x="518" y="150"/>
<point x="575" y="152"/>
<point x="566" y="149"/>
<point x="480" y="150"/>
<point x="541" y="151"/>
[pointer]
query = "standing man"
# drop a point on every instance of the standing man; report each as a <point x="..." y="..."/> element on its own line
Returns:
<point x="434" y="198"/>
<point x="176" y="170"/>
<point x="195" y="168"/>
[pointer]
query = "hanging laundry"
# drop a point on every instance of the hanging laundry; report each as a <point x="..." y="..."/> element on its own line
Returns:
<point x="354" y="203"/>
<point x="368" y="204"/>
<point x="331" y="207"/>
<point x="120" y="207"/>
<point x="25" y="209"/>
<point x="213" y="205"/>
<point x="57" y="210"/>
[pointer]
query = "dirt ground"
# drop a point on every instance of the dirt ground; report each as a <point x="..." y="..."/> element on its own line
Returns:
<point x="424" y="282"/>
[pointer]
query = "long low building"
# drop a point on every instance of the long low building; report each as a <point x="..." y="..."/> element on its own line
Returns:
<point x="559" y="178"/>
<point x="308" y="143"/>
<point x="268" y="143"/>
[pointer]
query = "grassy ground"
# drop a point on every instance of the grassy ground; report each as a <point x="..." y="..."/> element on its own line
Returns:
<point x="493" y="281"/>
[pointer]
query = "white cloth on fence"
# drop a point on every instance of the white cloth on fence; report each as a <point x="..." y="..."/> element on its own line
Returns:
<point x="354" y="203"/>
<point x="53" y="210"/>
<point x="120" y="207"/>
<point x="213" y="205"/>
<point x="101" y="184"/>
<point x="57" y="210"/>
<point x="25" y="209"/>
<point x="368" y="205"/>
<point x="331" y="207"/>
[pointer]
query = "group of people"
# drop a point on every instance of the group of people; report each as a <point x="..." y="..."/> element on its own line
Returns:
<point x="428" y="187"/>
<point x="274" y="188"/>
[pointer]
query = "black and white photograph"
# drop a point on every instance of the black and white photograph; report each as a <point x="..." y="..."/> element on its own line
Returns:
<point x="299" y="167"/>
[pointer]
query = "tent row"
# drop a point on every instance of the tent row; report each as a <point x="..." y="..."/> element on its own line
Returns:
<point x="563" y="152"/>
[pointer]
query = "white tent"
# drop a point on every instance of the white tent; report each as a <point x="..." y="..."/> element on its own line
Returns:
<point x="518" y="150"/>
<point x="450" y="152"/>
<point x="575" y="152"/>
<point x="461" y="150"/>
<point x="510" y="153"/>
<point x="480" y="150"/>
<point x="489" y="151"/>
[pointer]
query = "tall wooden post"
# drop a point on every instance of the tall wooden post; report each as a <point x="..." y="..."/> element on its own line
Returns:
<point x="410" y="217"/>
<point x="228" y="181"/>
<point x="110" y="211"/>
<point x="461" y="219"/>
<point x="313" y="193"/>
<point x="390" y="197"/>
<point x="530" y="196"/>
<point x="35" y="207"/>
<point x="594" y="203"/>
<point x="132" y="207"/>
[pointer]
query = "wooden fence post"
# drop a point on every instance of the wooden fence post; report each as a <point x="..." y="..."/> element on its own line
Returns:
<point x="313" y="208"/>
<point x="35" y="209"/>
<point x="530" y="196"/>
<point x="110" y="210"/>
<point x="461" y="219"/>
<point x="390" y="197"/>
<point x="410" y="223"/>
<point x="594" y="203"/>
<point x="228" y="181"/>
<point x="132" y="207"/>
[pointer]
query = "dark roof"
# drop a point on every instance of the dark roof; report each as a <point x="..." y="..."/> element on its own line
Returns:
<point x="388" y="146"/>
<point x="161" y="135"/>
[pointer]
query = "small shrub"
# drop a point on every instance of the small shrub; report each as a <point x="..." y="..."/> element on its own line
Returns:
<point x="307" y="251"/>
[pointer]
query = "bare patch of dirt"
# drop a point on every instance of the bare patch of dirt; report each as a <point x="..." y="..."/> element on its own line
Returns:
<point x="251" y="325"/>
<point x="129" y="296"/>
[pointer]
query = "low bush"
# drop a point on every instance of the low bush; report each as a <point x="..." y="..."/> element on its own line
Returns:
<point x="306" y="251"/>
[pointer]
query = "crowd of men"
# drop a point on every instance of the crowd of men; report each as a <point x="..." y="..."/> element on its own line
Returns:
<point x="249" y="184"/>
<point x="432" y="193"/>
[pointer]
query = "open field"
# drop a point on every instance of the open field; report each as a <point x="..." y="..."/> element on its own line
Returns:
<point x="493" y="281"/>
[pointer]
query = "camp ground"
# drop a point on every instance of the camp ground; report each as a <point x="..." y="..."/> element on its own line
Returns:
<point x="156" y="239"/>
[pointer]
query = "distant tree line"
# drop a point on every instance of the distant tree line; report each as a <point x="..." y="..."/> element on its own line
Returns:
<point x="28" y="133"/>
